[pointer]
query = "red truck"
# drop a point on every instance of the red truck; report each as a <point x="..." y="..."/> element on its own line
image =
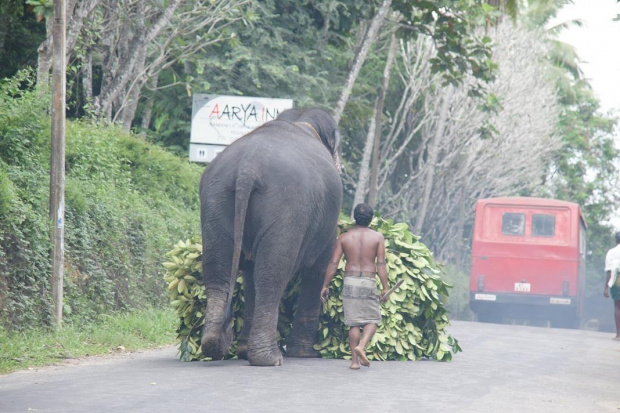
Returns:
<point x="528" y="261"/>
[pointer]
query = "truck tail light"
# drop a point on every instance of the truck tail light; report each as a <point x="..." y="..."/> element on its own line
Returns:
<point x="565" y="287"/>
<point x="481" y="283"/>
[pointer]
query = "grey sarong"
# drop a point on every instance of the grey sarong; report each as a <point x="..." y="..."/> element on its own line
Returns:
<point x="360" y="299"/>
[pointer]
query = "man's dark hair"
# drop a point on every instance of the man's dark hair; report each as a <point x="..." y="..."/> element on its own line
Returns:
<point x="363" y="214"/>
<point x="618" y="237"/>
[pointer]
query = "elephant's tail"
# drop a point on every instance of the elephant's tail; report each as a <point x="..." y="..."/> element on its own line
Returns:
<point x="243" y="190"/>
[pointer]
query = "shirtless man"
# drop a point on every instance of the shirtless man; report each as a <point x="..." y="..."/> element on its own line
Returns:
<point x="361" y="247"/>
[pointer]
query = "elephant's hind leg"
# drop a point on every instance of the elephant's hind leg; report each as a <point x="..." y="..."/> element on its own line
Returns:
<point x="272" y="271"/>
<point x="217" y="331"/>
<point x="305" y="324"/>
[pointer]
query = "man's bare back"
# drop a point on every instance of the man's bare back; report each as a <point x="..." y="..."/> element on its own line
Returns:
<point x="364" y="250"/>
<point x="360" y="246"/>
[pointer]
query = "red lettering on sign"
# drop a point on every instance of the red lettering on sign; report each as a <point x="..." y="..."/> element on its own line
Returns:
<point x="216" y="111"/>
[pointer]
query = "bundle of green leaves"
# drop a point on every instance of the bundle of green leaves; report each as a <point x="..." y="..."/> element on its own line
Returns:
<point x="414" y="319"/>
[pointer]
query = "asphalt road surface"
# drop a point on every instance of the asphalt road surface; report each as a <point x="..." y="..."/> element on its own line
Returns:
<point x="503" y="368"/>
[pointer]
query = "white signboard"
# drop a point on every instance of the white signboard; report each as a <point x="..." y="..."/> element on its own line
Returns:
<point x="217" y="121"/>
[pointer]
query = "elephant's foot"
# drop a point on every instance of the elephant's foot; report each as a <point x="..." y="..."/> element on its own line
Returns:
<point x="266" y="357"/>
<point x="211" y="346"/>
<point x="216" y="345"/>
<point x="303" y="337"/>
<point x="242" y="350"/>
<point x="302" y="351"/>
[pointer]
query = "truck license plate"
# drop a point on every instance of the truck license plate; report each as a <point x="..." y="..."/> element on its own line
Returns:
<point x="564" y="301"/>
<point x="522" y="287"/>
<point x="485" y="297"/>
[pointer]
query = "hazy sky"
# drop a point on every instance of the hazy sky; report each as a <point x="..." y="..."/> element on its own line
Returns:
<point x="598" y="45"/>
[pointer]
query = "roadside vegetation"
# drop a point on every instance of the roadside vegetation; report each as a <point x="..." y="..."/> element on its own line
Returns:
<point x="127" y="201"/>
<point x="108" y="334"/>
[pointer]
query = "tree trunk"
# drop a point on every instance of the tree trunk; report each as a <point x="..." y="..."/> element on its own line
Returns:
<point x="459" y="245"/>
<point x="130" y="107"/>
<point x="133" y="64"/>
<point x="360" y="57"/>
<point x="374" y="167"/>
<point x="362" y="180"/>
<point x="76" y="17"/>
<point x="130" y="102"/>
<point x="75" y="22"/>
<point x="148" y="107"/>
<point x="374" y="170"/>
<point x="87" y="77"/>
<point x="431" y="164"/>
<point x="44" y="60"/>
<point x="110" y="94"/>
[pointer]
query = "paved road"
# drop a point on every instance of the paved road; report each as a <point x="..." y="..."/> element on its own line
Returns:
<point x="503" y="369"/>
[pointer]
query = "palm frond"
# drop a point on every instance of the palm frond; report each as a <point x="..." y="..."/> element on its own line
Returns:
<point x="557" y="28"/>
<point x="565" y="55"/>
<point x="539" y="12"/>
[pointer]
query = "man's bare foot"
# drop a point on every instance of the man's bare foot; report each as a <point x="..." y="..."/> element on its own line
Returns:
<point x="354" y="366"/>
<point x="361" y="353"/>
<point x="617" y="338"/>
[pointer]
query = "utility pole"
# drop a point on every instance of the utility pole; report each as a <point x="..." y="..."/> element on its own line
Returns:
<point x="57" y="163"/>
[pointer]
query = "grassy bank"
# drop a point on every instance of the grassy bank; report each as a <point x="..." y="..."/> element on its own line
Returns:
<point x="127" y="201"/>
<point x="138" y="329"/>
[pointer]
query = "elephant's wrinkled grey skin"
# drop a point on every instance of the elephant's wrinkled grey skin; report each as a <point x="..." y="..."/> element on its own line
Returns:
<point x="269" y="206"/>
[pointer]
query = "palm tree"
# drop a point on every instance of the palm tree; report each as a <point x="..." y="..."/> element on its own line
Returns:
<point x="563" y="59"/>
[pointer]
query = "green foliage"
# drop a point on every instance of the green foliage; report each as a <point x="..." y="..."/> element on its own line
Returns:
<point x="133" y="330"/>
<point x="154" y="171"/>
<point x="125" y="202"/>
<point x="24" y="186"/>
<point x="452" y="25"/>
<point x="7" y="192"/>
<point x="21" y="133"/>
<point x="20" y="36"/>
<point x="188" y="297"/>
<point x="42" y="7"/>
<point x="413" y="318"/>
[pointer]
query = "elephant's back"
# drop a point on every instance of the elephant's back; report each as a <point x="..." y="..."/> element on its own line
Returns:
<point x="296" y="187"/>
<point x="293" y="162"/>
<point x="275" y="152"/>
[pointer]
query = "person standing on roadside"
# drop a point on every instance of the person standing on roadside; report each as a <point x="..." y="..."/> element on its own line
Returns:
<point x="364" y="251"/>
<point x="612" y="283"/>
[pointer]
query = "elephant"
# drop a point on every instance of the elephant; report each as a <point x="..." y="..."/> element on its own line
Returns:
<point x="270" y="204"/>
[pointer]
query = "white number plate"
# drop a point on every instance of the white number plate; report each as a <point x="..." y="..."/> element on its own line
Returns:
<point x="485" y="297"/>
<point x="522" y="287"/>
<point x="564" y="301"/>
